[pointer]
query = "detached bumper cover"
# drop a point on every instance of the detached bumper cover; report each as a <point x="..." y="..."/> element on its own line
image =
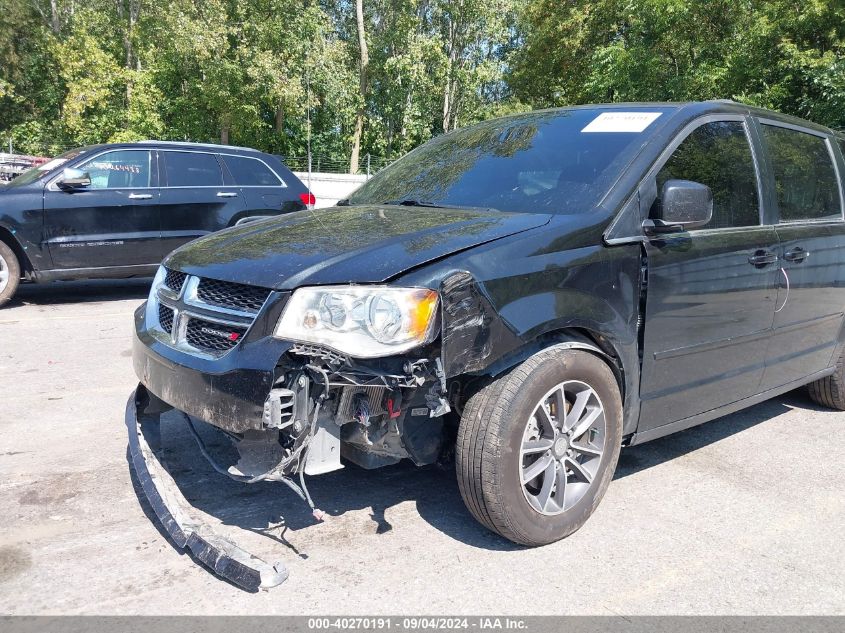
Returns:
<point x="219" y="554"/>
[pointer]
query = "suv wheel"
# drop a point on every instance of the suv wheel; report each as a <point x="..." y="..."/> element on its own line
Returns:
<point x="10" y="273"/>
<point x="830" y="390"/>
<point x="538" y="446"/>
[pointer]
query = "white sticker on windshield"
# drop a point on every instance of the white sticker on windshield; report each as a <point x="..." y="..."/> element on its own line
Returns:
<point x="621" y="122"/>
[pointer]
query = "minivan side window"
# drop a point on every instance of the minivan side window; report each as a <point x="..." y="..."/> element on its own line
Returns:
<point x="192" y="169"/>
<point x="120" y="169"/>
<point x="718" y="155"/>
<point x="249" y="172"/>
<point x="805" y="180"/>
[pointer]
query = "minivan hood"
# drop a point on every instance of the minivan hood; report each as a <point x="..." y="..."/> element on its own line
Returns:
<point x="357" y="244"/>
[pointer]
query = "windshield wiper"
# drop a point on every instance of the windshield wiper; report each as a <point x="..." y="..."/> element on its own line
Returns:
<point x="432" y="205"/>
<point x="414" y="203"/>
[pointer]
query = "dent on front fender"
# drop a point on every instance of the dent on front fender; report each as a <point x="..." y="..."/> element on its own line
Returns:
<point x="474" y="335"/>
<point x="491" y="325"/>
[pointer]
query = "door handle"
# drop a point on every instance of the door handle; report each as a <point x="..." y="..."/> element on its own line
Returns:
<point x="762" y="258"/>
<point x="796" y="254"/>
<point x="140" y="196"/>
<point x="227" y="194"/>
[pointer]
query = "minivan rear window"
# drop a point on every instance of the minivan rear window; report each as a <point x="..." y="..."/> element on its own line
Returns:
<point x="192" y="169"/>
<point x="805" y="180"/>
<point x="561" y="161"/>
<point x="249" y="172"/>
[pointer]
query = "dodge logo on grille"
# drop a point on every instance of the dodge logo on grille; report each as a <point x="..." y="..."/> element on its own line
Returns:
<point x="231" y="336"/>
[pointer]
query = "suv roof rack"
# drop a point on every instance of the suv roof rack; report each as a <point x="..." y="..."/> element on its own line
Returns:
<point x="195" y="144"/>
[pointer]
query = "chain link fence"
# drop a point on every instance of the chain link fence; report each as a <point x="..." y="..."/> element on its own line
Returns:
<point x="367" y="164"/>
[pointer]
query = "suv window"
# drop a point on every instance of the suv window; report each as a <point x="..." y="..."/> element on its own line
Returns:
<point x="718" y="155"/>
<point x="250" y="172"/>
<point x="805" y="180"/>
<point x="127" y="168"/>
<point x="192" y="169"/>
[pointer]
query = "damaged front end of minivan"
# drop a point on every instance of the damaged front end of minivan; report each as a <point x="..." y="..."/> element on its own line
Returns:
<point x="461" y="304"/>
<point x="311" y="404"/>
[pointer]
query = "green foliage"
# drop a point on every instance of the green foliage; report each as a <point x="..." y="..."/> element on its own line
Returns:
<point x="779" y="54"/>
<point x="250" y="71"/>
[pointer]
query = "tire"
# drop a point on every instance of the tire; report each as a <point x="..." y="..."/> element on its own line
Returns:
<point x="495" y="436"/>
<point x="10" y="273"/>
<point x="830" y="390"/>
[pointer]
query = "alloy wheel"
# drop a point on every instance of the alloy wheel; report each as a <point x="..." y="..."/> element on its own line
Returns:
<point x="562" y="447"/>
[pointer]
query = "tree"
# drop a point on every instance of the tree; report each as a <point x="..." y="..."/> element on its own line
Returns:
<point x="387" y="75"/>
<point x="774" y="53"/>
<point x="364" y="62"/>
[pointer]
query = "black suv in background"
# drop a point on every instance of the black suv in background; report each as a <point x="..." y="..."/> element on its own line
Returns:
<point x="116" y="210"/>
<point x="528" y="294"/>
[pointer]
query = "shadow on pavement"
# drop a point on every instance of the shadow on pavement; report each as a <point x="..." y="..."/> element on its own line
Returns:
<point x="643" y="456"/>
<point x="433" y="489"/>
<point x="61" y="292"/>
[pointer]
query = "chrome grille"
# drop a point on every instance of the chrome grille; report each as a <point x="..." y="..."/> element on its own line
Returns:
<point x="208" y="335"/>
<point x="232" y="295"/>
<point x="165" y="318"/>
<point x="202" y="316"/>
<point x="174" y="280"/>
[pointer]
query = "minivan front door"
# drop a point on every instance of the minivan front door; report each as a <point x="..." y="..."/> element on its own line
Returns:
<point x="710" y="296"/>
<point x="112" y="222"/>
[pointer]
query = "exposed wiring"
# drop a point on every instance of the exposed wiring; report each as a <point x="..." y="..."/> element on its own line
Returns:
<point x="274" y="474"/>
<point x="316" y="512"/>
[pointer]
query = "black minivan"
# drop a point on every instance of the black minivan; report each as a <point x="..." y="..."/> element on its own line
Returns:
<point x="116" y="210"/>
<point x="528" y="295"/>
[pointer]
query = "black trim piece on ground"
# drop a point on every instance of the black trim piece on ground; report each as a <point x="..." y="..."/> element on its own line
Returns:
<point x="219" y="554"/>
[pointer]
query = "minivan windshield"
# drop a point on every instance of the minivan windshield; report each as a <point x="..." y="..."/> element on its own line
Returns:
<point x="39" y="172"/>
<point x="555" y="161"/>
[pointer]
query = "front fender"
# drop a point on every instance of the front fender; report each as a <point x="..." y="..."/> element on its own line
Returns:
<point x="592" y="304"/>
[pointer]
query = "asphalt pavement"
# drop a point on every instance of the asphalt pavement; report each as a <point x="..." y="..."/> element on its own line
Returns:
<point x="743" y="515"/>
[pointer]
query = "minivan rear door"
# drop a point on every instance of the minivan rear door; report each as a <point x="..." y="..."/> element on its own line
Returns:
<point x="811" y="297"/>
<point x="195" y="198"/>
<point x="710" y="292"/>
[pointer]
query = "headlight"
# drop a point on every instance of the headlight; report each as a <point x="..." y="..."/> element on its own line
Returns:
<point x="360" y="321"/>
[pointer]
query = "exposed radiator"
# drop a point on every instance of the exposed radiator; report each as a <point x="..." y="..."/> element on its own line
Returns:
<point x="374" y="394"/>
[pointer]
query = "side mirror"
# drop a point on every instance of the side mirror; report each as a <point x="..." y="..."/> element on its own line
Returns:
<point x="74" y="179"/>
<point x="684" y="205"/>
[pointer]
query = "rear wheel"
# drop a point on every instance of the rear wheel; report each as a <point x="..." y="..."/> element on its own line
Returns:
<point x="10" y="273"/>
<point x="538" y="447"/>
<point x="830" y="390"/>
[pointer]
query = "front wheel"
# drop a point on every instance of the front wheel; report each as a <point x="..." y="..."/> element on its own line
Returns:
<point x="537" y="447"/>
<point x="10" y="273"/>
